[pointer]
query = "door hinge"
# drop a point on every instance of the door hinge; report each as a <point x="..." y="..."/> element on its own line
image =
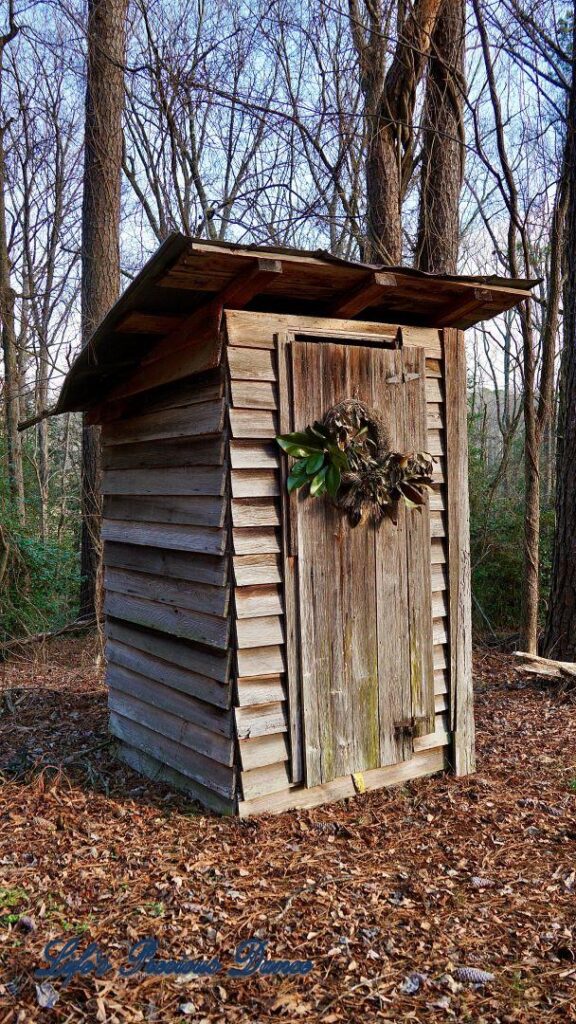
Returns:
<point x="407" y="727"/>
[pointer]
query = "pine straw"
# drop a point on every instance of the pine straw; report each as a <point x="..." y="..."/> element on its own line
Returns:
<point x="441" y="873"/>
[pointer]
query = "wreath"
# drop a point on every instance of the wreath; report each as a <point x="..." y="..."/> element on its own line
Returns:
<point x="348" y="456"/>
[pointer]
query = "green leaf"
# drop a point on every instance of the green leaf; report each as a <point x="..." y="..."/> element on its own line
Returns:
<point x="299" y="468"/>
<point x="333" y="479"/>
<point x="314" y="463"/>
<point x="301" y="439"/>
<point x="318" y="485"/>
<point x="294" y="482"/>
<point x="295" y="452"/>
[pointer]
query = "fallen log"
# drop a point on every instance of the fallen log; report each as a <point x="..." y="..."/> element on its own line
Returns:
<point x="538" y="666"/>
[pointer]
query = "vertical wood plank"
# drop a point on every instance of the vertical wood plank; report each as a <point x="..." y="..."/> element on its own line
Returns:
<point x="418" y="553"/>
<point x="290" y="568"/>
<point x="315" y="650"/>
<point x="395" y="700"/>
<point x="459" y="588"/>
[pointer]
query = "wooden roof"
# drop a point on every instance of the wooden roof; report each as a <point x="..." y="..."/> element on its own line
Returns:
<point x="187" y="274"/>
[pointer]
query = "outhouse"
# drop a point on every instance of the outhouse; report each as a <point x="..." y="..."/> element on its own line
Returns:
<point x="265" y="651"/>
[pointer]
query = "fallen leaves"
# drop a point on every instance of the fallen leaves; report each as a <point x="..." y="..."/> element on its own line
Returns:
<point x="391" y="895"/>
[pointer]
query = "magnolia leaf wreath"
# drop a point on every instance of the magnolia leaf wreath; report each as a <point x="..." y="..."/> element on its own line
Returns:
<point x="347" y="456"/>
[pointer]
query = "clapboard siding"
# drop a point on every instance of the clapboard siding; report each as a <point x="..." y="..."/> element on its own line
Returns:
<point x="168" y="584"/>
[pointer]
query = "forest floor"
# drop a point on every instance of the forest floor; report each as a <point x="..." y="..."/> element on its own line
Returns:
<point x="387" y="894"/>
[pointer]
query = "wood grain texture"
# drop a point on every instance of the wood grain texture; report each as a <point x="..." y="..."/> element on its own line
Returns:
<point x="179" y="593"/>
<point x="255" y="512"/>
<point x="200" y="480"/>
<point x="209" y="773"/>
<point x="261" y="720"/>
<point x="197" y="510"/>
<point x="252" y="569"/>
<point x="395" y="703"/>
<point x="336" y="574"/>
<point x="253" y="423"/>
<point x="250" y="394"/>
<point x="428" y="762"/>
<point x="181" y="565"/>
<point x="203" y="540"/>
<point x="172" y="724"/>
<point x="180" y="622"/>
<point x="290" y="567"/>
<point x="176" y="652"/>
<point x="167" y="673"/>
<point x="418" y="534"/>
<point x="261" y="661"/>
<point x="256" y="455"/>
<point x="159" y="772"/>
<point x="460" y="626"/>
<point x="257" y="330"/>
<point x="189" y="421"/>
<point x="205" y="451"/>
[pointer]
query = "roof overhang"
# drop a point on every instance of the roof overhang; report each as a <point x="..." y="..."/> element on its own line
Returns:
<point x="187" y="274"/>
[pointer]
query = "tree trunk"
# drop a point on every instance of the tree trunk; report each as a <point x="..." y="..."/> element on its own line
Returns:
<point x="8" y="327"/>
<point x="389" y="102"/>
<point x="443" y="146"/>
<point x="100" y="235"/>
<point x="560" y="635"/>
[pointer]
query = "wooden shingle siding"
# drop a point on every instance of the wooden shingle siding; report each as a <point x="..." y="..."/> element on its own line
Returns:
<point x="168" y="586"/>
<point x="261" y="657"/>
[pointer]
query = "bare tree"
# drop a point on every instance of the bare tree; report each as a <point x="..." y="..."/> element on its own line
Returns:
<point x="538" y="345"/>
<point x="390" y="101"/>
<point x="443" y="145"/>
<point x="560" y="635"/>
<point x="7" y="308"/>
<point x="106" y="44"/>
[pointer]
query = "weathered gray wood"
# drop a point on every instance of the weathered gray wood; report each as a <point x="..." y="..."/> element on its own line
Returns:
<point x="179" y="593"/>
<point x="255" y="455"/>
<point x="248" y="541"/>
<point x="261" y="661"/>
<point x="255" y="512"/>
<point x="208" y="772"/>
<point x="263" y="750"/>
<point x="265" y="631"/>
<point x="266" y="780"/>
<point x="164" y="698"/>
<point x="250" y="394"/>
<point x="461" y="697"/>
<point x="247" y="423"/>
<point x="253" y="569"/>
<point x="261" y="720"/>
<point x="418" y="533"/>
<point x="257" y="330"/>
<point x="254" y="483"/>
<point x="205" y="451"/>
<point x="251" y="364"/>
<point x="197" y="510"/>
<point x="175" y="651"/>
<point x="258" y="600"/>
<point x="197" y="480"/>
<point x="189" y="421"/>
<point x="204" y="540"/>
<point x="181" y="565"/>
<point x="146" y="764"/>
<point x="205" y="629"/>
<point x="173" y="726"/>
<point x="290" y="566"/>
<point x="267" y="690"/>
<point x="298" y="797"/>
<point x="395" y="702"/>
<point x="192" y="683"/>
<point x="336" y="572"/>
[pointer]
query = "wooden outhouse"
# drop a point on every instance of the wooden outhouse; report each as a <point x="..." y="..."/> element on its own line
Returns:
<point x="262" y="653"/>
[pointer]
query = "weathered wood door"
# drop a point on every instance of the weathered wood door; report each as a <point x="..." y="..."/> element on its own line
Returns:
<point x="359" y="619"/>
